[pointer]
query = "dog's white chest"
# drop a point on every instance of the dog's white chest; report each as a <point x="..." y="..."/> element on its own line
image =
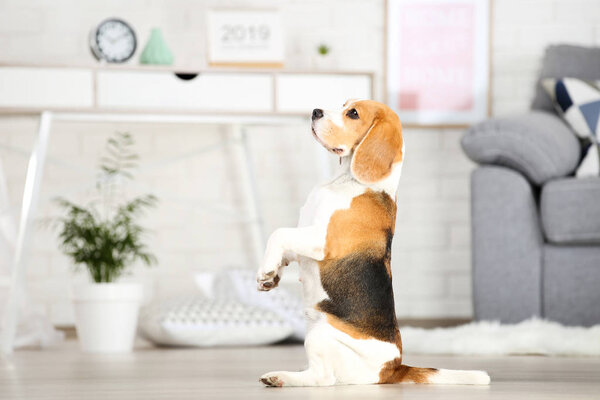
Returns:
<point x="324" y="200"/>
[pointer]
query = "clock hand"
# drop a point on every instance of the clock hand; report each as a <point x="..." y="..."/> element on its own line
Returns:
<point x="114" y="39"/>
<point x="111" y="39"/>
<point x="122" y="36"/>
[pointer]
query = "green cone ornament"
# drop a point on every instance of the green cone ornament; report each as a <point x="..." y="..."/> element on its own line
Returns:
<point x="156" y="51"/>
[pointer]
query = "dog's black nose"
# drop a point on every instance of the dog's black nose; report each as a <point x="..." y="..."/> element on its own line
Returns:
<point x="317" y="113"/>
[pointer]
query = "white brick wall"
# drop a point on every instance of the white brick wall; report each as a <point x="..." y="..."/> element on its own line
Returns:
<point x="521" y="31"/>
<point x="432" y="245"/>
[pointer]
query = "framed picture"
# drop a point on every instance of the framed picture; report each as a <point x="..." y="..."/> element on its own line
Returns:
<point x="437" y="66"/>
<point x="246" y="38"/>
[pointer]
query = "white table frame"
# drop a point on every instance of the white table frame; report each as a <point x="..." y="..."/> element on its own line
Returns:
<point x="35" y="171"/>
<point x="237" y="120"/>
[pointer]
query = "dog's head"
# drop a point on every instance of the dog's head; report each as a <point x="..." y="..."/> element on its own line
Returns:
<point x="368" y="131"/>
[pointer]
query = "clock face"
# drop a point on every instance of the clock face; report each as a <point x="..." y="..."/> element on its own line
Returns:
<point x="113" y="41"/>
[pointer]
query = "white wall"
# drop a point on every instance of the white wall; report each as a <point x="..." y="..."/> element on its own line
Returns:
<point x="432" y="244"/>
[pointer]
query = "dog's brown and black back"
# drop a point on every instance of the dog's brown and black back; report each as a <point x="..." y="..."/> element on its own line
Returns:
<point x="356" y="273"/>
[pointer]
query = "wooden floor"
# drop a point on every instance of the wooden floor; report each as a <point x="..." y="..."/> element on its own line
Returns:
<point x="232" y="373"/>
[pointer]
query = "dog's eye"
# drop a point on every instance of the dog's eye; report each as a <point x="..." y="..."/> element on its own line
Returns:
<point x="352" y="114"/>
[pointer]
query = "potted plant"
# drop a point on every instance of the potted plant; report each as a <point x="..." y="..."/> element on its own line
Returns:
<point x="105" y="237"/>
<point x="323" y="59"/>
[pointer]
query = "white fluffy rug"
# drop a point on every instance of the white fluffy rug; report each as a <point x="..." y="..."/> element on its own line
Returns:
<point x="533" y="336"/>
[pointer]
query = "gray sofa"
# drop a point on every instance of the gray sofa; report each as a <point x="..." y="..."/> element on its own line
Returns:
<point x="535" y="228"/>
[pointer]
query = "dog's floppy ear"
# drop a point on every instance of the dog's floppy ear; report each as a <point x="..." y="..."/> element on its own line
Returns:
<point x="378" y="151"/>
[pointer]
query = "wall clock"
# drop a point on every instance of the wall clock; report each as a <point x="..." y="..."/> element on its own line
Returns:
<point x="113" y="41"/>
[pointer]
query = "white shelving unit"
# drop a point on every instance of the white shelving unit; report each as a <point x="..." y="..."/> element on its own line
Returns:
<point x="157" y="90"/>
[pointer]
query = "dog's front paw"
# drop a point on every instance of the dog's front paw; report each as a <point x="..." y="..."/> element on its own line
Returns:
<point x="267" y="280"/>
<point x="271" y="379"/>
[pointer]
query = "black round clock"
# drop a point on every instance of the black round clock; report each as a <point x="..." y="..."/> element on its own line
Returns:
<point x="113" y="40"/>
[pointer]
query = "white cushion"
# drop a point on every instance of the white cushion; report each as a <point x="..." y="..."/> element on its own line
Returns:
<point x="198" y="321"/>
<point x="240" y="285"/>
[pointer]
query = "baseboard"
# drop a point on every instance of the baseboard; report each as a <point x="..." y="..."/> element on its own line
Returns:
<point x="428" y="323"/>
<point x="433" y="322"/>
<point x="69" y="330"/>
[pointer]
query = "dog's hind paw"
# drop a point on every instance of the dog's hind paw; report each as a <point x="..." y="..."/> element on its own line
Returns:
<point x="300" y="378"/>
<point x="271" y="380"/>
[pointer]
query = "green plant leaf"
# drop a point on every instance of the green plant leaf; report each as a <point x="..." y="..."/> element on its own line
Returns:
<point x="107" y="245"/>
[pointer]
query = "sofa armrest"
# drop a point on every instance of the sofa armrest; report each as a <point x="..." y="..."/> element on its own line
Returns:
<point x="507" y="245"/>
<point x="539" y="145"/>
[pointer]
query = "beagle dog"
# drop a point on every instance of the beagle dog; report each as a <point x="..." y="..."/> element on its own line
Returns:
<point x="343" y="247"/>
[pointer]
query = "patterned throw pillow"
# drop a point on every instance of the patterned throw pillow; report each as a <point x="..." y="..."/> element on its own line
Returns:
<point x="227" y="311"/>
<point x="578" y="102"/>
<point x="240" y="284"/>
<point x="195" y="320"/>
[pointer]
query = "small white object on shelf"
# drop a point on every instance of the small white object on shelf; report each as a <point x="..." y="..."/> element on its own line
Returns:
<point x="245" y="37"/>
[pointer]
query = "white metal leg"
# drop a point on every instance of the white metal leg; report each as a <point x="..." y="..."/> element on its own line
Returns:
<point x="8" y="229"/>
<point x="33" y="181"/>
<point x="249" y="188"/>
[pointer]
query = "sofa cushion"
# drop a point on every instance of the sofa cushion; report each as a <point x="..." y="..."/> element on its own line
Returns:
<point x="566" y="60"/>
<point x="571" y="282"/>
<point x="570" y="211"/>
<point x="578" y="103"/>
<point x="539" y="145"/>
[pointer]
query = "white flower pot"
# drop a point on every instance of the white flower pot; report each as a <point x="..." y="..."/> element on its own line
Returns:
<point x="106" y="316"/>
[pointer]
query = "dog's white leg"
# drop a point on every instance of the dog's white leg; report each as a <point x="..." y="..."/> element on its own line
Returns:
<point x="283" y="246"/>
<point x="320" y="351"/>
<point x="317" y="374"/>
<point x="307" y="377"/>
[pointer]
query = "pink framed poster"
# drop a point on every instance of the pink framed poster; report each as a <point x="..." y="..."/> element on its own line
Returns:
<point x="437" y="67"/>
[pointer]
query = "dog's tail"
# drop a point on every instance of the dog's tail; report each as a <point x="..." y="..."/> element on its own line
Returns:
<point x="400" y="373"/>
